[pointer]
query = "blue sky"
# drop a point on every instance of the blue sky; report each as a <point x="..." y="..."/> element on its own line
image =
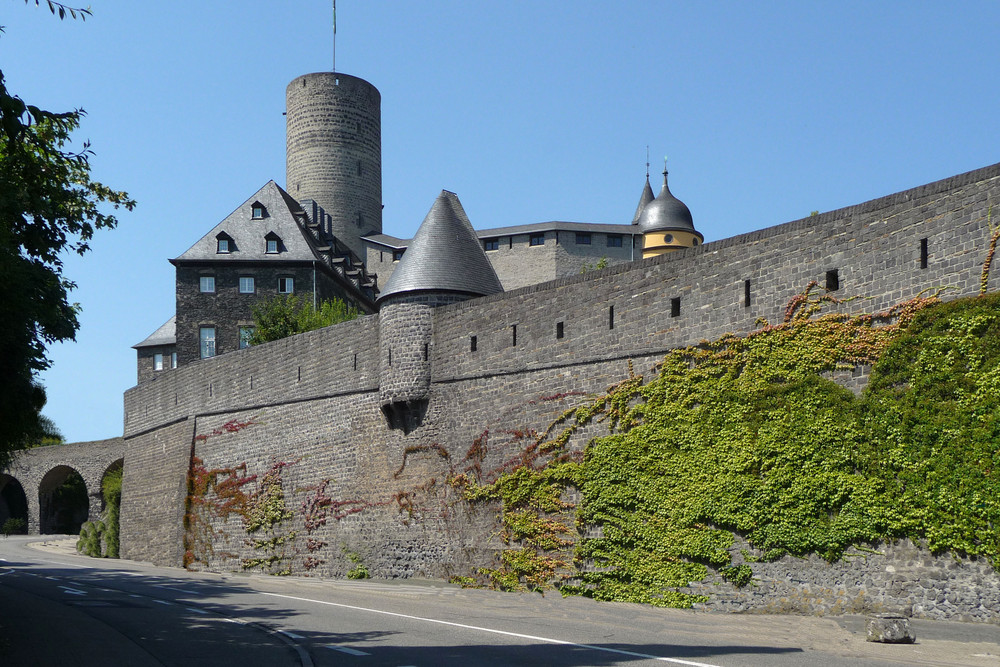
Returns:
<point x="530" y="111"/>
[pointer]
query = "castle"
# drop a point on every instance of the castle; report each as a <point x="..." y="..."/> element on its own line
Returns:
<point x="322" y="236"/>
<point x="369" y="412"/>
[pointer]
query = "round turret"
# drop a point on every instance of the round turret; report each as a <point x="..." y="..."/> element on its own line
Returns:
<point x="334" y="151"/>
<point x="666" y="224"/>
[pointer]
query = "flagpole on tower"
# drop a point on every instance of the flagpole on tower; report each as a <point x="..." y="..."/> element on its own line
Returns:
<point x="334" y="35"/>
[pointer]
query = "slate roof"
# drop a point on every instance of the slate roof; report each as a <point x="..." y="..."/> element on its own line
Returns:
<point x="165" y="335"/>
<point x="444" y="255"/>
<point x="644" y="198"/>
<point x="248" y="234"/>
<point x="304" y="234"/>
<point x="666" y="213"/>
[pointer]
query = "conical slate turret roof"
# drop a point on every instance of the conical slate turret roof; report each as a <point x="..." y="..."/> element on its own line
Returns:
<point x="444" y="256"/>
<point x="644" y="198"/>
<point x="666" y="213"/>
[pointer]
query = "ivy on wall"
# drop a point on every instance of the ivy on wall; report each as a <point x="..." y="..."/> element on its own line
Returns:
<point x="745" y="435"/>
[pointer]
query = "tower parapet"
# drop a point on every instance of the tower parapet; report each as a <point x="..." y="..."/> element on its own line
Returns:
<point x="334" y="151"/>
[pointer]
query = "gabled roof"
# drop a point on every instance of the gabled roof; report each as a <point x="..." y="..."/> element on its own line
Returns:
<point x="248" y="233"/>
<point x="444" y="256"/>
<point x="165" y="335"/>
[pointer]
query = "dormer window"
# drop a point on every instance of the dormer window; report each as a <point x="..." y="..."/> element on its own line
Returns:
<point x="258" y="211"/>
<point x="224" y="244"/>
<point x="272" y="244"/>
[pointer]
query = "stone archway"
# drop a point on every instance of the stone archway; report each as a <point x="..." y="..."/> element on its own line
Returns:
<point x="63" y="503"/>
<point x="13" y="500"/>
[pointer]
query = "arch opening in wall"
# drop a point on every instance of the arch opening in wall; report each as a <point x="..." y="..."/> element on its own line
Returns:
<point x="114" y="468"/>
<point x="13" y="501"/>
<point x="63" y="505"/>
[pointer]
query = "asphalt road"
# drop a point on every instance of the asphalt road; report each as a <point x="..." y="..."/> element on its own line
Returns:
<point x="59" y="608"/>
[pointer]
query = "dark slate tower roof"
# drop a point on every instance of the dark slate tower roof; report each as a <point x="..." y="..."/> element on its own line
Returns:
<point x="445" y="256"/>
<point x="666" y="213"/>
<point x="644" y="199"/>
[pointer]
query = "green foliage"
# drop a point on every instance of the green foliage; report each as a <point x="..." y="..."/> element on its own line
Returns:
<point x="932" y="411"/>
<point x="745" y="437"/>
<point x="48" y="205"/>
<point x="739" y="575"/>
<point x="111" y="489"/>
<point x="359" y="571"/>
<point x="287" y="315"/>
<point x="586" y="267"/>
<point x="263" y="515"/>
<point x="91" y="538"/>
<point x="100" y="539"/>
<point x="14" y="526"/>
<point x="62" y="10"/>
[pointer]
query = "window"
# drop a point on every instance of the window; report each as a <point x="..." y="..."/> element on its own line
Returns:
<point x="245" y="334"/>
<point x="491" y="244"/>
<point x="206" y="339"/>
<point x="559" y="330"/>
<point x="272" y="246"/>
<point x="923" y="253"/>
<point x="675" y="306"/>
<point x="223" y="247"/>
<point x="833" y="280"/>
<point x="537" y="239"/>
<point x="614" y="241"/>
<point x="158" y="362"/>
<point x="582" y="239"/>
<point x="473" y="343"/>
<point x="746" y="293"/>
<point x="206" y="284"/>
<point x="257" y="211"/>
<point x="695" y="241"/>
<point x="611" y="317"/>
<point x="398" y="254"/>
<point x="247" y="285"/>
<point x="668" y="238"/>
<point x="286" y="285"/>
<point x="513" y="335"/>
<point x="173" y="360"/>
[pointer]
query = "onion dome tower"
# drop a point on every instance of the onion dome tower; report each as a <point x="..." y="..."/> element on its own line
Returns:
<point x="334" y="151"/>
<point x="666" y="224"/>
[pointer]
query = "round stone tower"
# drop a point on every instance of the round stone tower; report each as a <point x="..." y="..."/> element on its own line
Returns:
<point x="334" y="151"/>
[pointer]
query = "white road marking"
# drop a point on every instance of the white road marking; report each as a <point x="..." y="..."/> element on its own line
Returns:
<point x="72" y="591"/>
<point x="179" y="590"/>
<point x="290" y="634"/>
<point x="196" y="610"/>
<point x="347" y="650"/>
<point x="60" y="564"/>
<point x="548" y="640"/>
<point x="162" y="602"/>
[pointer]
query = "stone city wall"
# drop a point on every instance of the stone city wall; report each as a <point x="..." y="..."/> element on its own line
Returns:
<point x="310" y="404"/>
